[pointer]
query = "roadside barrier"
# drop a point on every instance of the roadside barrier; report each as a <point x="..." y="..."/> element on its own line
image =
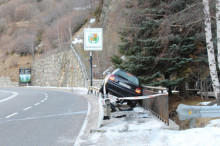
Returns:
<point x="155" y="99"/>
<point x="188" y="112"/>
<point x="95" y="91"/>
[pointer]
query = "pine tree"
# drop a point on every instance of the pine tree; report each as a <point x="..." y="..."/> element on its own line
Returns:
<point x="161" y="42"/>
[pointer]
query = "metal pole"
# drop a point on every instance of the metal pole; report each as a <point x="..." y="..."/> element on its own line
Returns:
<point x="192" y="123"/>
<point x="108" y="104"/>
<point x="71" y="79"/>
<point x="91" y="66"/>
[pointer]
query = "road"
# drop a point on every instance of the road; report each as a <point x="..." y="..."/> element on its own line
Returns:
<point x="31" y="117"/>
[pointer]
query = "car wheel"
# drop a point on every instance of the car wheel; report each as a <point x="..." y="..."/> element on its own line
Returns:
<point x="132" y="103"/>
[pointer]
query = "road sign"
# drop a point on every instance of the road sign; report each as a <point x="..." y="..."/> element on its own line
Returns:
<point x="25" y="75"/>
<point x="93" y="40"/>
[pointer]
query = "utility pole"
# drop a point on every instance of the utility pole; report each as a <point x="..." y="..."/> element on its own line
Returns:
<point x="91" y="67"/>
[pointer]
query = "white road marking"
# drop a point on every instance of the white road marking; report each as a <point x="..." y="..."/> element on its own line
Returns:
<point x="10" y="97"/>
<point x="37" y="104"/>
<point x="82" y="130"/>
<point x="45" y="94"/>
<point x="46" y="116"/>
<point x="27" y="108"/>
<point x="11" y="115"/>
<point x="42" y="100"/>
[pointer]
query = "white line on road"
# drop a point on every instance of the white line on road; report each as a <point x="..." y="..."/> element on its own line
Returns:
<point x="10" y="97"/>
<point x="27" y="108"/>
<point x="45" y="94"/>
<point x="42" y="100"/>
<point x="82" y="130"/>
<point x="11" y="115"/>
<point x="47" y="116"/>
<point x="37" y="104"/>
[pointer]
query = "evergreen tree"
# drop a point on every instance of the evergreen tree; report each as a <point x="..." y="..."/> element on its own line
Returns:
<point x="162" y="41"/>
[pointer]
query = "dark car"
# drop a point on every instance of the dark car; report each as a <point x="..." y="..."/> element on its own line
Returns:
<point x="122" y="84"/>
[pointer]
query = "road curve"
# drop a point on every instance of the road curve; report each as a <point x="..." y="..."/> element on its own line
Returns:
<point x="40" y="117"/>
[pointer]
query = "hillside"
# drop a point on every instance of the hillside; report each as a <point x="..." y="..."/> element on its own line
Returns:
<point x="30" y="29"/>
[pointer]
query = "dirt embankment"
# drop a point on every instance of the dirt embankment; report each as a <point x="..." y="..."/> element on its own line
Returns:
<point x="9" y="67"/>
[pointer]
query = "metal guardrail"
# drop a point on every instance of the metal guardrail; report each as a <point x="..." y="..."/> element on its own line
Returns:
<point x="188" y="112"/>
<point x="156" y="103"/>
<point x="149" y="90"/>
<point x="82" y="66"/>
<point x="93" y="90"/>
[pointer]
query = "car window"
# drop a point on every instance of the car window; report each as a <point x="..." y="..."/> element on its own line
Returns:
<point x="128" y="77"/>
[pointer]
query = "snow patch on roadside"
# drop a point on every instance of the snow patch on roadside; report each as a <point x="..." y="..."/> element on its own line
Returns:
<point x="136" y="130"/>
<point x="204" y="103"/>
<point x="77" y="41"/>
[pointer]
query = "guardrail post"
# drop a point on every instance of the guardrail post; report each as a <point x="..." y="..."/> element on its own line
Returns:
<point x="218" y="99"/>
<point x="192" y="123"/>
<point x="107" y="102"/>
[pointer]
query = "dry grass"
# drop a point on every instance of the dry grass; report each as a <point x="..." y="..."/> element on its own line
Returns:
<point x="11" y="64"/>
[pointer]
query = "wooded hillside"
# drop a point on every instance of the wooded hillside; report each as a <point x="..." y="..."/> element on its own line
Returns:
<point x="27" y="25"/>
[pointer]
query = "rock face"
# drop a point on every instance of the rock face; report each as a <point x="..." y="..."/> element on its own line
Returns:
<point x="112" y="21"/>
<point x="59" y="70"/>
<point x="6" y="82"/>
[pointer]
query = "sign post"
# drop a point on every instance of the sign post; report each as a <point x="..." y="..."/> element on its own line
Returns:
<point x="91" y="66"/>
<point x="93" y="41"/>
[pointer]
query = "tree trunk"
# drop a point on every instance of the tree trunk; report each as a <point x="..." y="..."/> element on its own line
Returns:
<point x="218" y="37"/>
<point x="170" y="93"/>
<point x="210" y="49"/>
<point x="182" y="90"/>
<point x="218" y="29"/>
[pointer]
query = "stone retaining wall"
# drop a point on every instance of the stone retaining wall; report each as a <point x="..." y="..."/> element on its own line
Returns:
<point x="6" y="82"/>
<point x="59" y="70"/>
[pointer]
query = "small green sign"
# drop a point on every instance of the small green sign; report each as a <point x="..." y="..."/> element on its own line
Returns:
<point x="25" y="75"/>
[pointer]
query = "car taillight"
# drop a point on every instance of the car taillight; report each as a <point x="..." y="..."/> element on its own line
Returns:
<point x="138" y="90"/>
<point x="112" y="77"/>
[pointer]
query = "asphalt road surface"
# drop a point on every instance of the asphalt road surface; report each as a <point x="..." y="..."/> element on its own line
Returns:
<point x="31" y="117"/>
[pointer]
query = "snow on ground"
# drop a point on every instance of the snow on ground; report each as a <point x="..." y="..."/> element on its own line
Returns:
<point x="92" y="21"/>
<point x="77" y="41"/>
<point x="139" y="128"/>
<point x="204" y="103"/>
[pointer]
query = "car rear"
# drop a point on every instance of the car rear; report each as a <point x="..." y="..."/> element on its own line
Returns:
<point x="123" y="84"/>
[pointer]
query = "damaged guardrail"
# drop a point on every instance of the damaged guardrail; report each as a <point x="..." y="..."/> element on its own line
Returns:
<point x="188" y="112"/>
<point x="155" y="101"/>
<point x="148" y="90"/>
<point x="95" y="91"/>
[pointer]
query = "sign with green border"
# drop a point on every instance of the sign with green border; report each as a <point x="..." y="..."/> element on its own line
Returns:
<point x="25" y="75"/>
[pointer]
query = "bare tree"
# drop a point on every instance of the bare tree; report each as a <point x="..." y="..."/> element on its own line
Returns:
<point x="218" y="29"/>
<point x="210" y="50"/>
